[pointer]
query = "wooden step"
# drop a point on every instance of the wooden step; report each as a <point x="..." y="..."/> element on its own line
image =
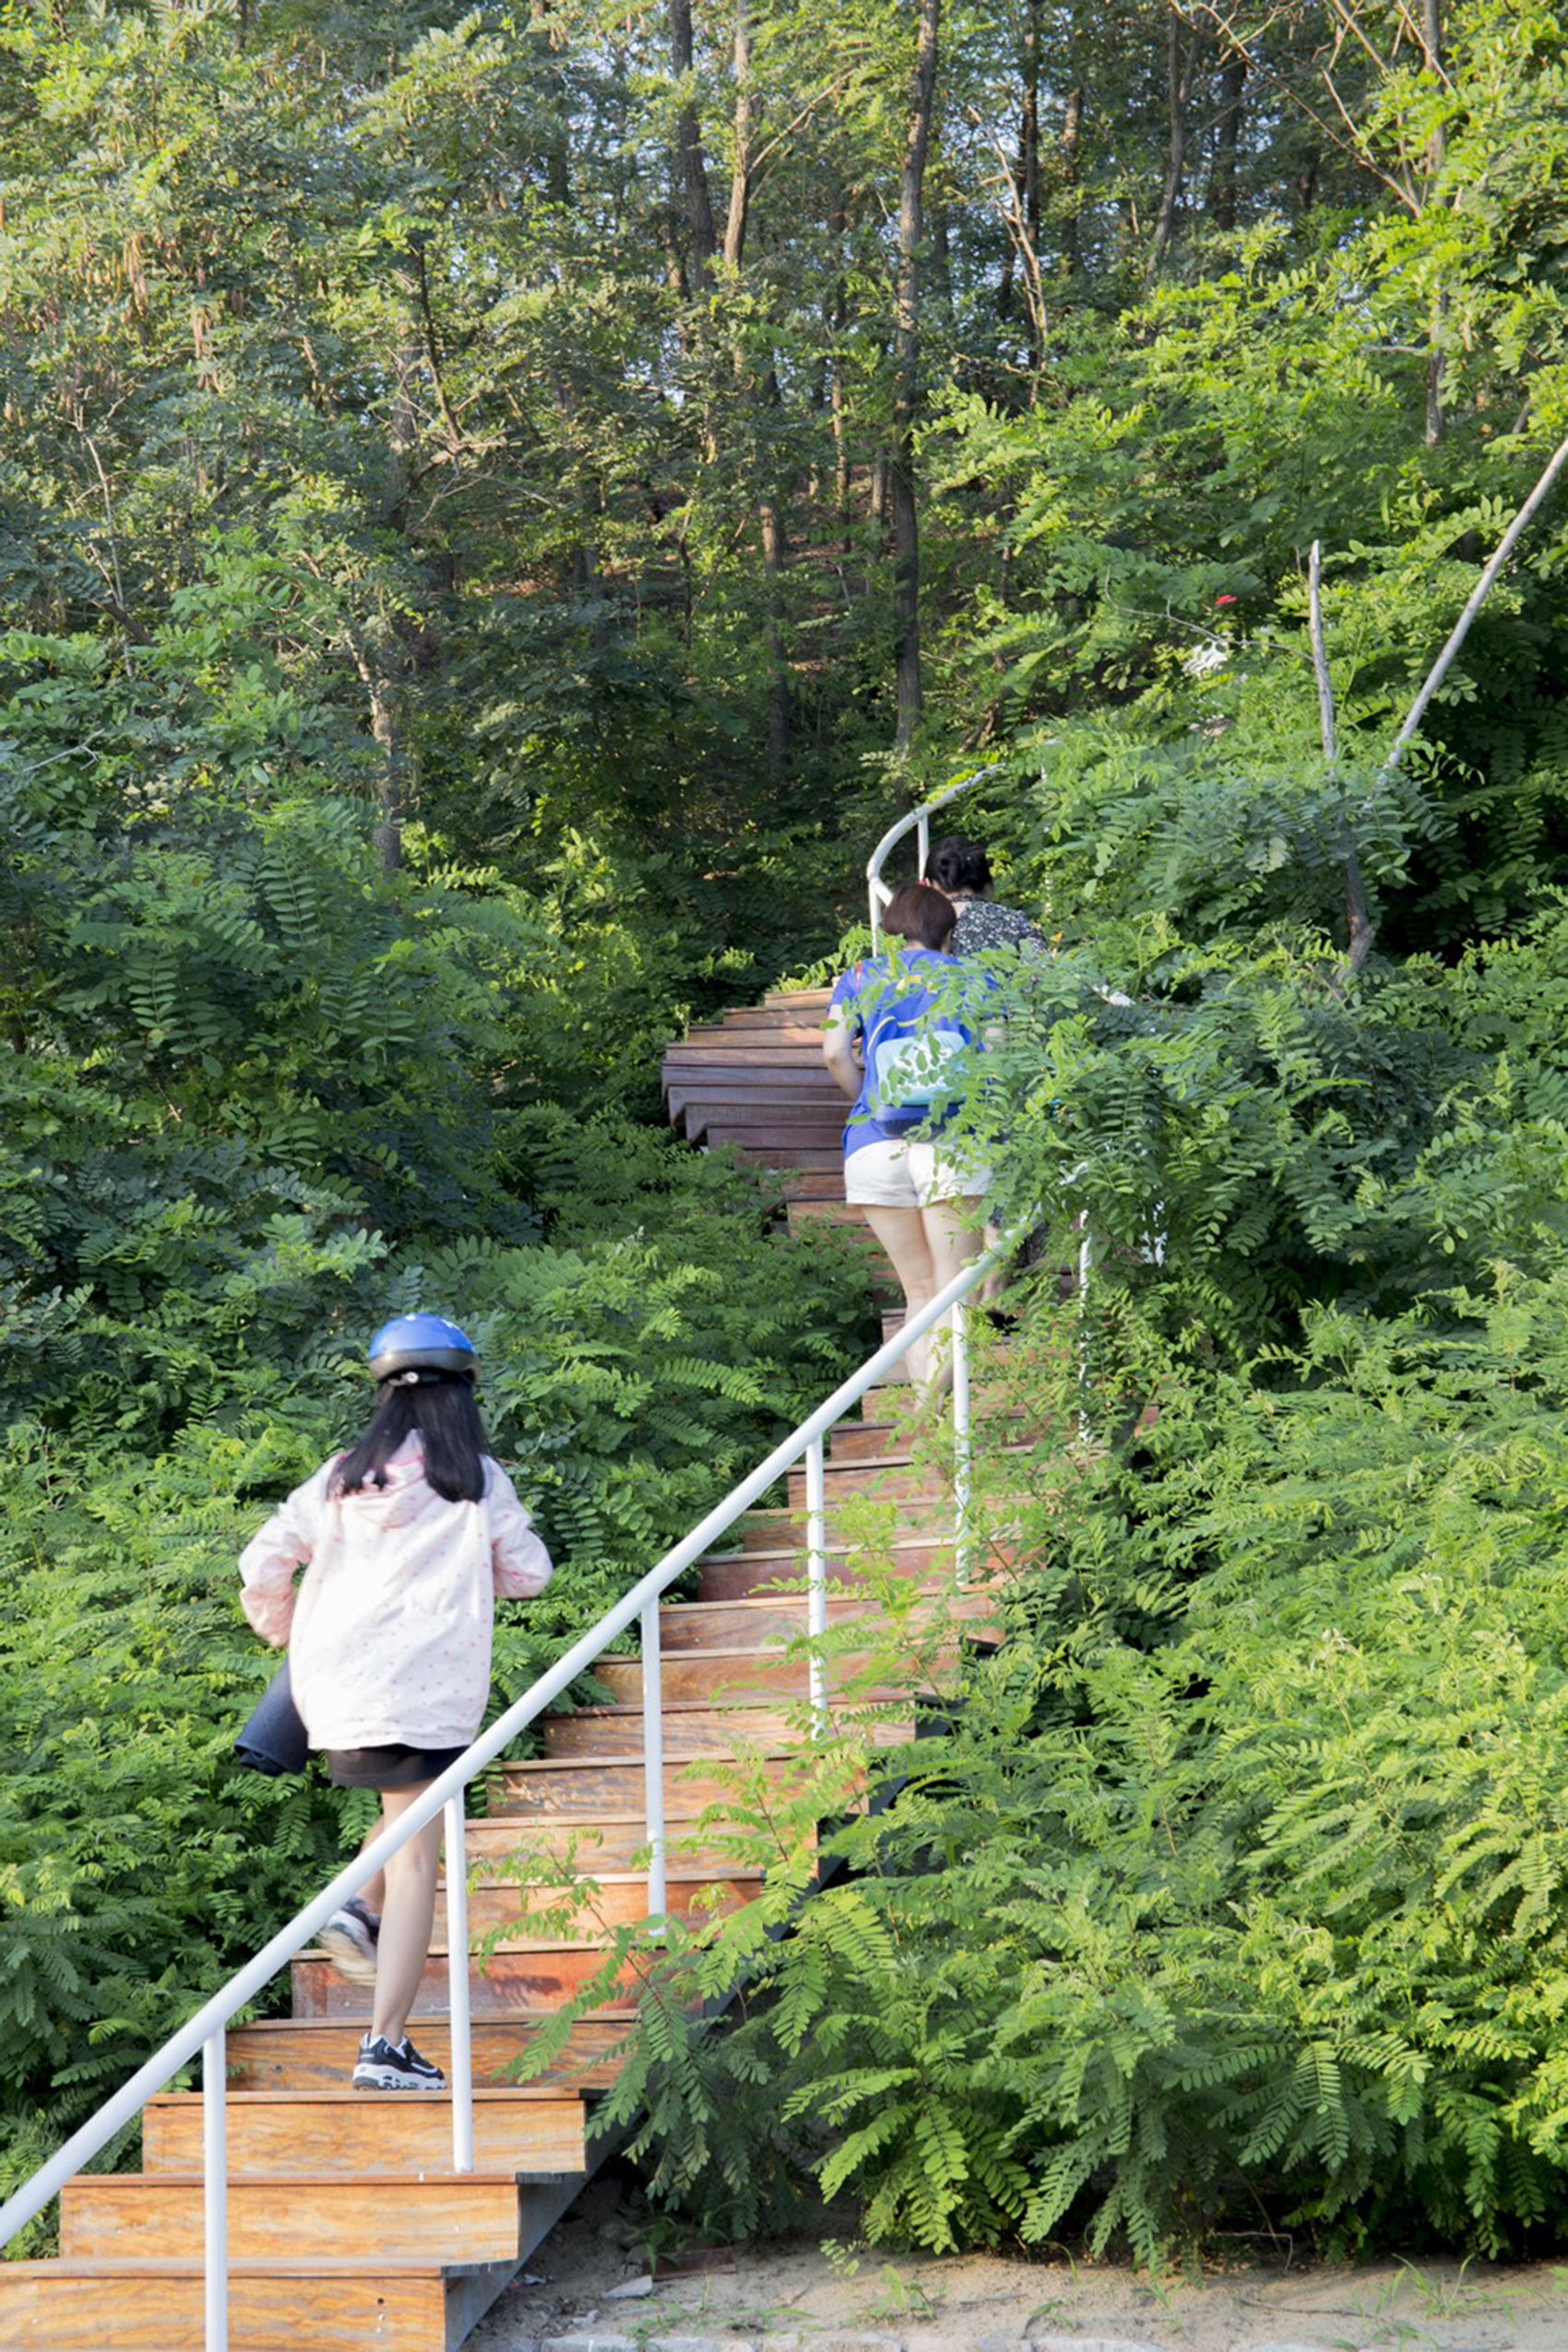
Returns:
<point x="451" y="2217"/>
<point x="692" y="1730"/>
<point x="761" y="1575"/>
<point x="821" y="1158"/>
<point x="149" y="2305"/>
<point x="618" y="1898"/>
<point x="576" y="1788"/>
<point x="872" y="1439"/>
<point x="779" y="1015"/>
<point x="748" y="1082"/>
<point x="317" y="2053"/>
<point x="790" y="1049"/>
<point x="741" y="1678"/>
<point x="869" y="1441"/>
<point x="740" y="1043"/>
<point x="541" y="1978"/>
<point x="769" y="1621"/>
<point x="778" y="1143"/>
<point x="799" y="999"/>
<point x="814" y="1183"/>
<point x="702" y="1113"/>
<point x="309" y="2218"/>
<point x="745" y="1077"/>
<point x="340" y="2131"/>
<point x="787" y="1093"/>
<point x="853" y="1518"/>
<point x="501" y="1845"/>
<point x="820" y="1128"/>
<point x="806" y="1217"/>
<point x="754" y="1623"/>
<point x="893" y="1477"/>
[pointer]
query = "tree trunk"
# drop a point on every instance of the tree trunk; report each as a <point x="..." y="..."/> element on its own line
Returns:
<point x="1180" y="70"/>
<point x="402" y="431"/>
<point x="906" y="378"/>
<point x="1437" y="148"/>
<point x="1228" y="138"/>
<point x="688" y="148"/>
<point x="386" y="726"/>
<point x="377" y="656"/>
<point x="836" y="322"/>
<point x="774" y="554"/>
<point x="378" y="659"/>
<point x="746" y="113"/>
<point x="1071" y="144"/>
<point x="1027" y="181"/>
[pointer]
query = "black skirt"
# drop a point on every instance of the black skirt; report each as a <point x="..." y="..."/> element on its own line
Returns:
<point x="392" y="1767"/>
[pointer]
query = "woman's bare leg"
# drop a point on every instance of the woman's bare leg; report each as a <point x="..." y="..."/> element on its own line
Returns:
<point x="953" y="1238"/>
<point x="406" y="1920"/>
<point x="902" y="1233"/>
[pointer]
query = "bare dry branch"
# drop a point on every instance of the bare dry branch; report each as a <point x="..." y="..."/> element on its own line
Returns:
<point x="1477" y="597"/>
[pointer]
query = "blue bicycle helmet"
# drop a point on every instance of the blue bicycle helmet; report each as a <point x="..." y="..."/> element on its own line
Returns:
<point x="410" y="1345"/>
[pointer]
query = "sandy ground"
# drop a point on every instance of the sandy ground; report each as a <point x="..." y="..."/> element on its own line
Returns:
<point x="829" y="2296"/>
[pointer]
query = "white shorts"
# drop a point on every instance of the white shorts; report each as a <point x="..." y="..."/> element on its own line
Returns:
<point x="912" y="1175"/>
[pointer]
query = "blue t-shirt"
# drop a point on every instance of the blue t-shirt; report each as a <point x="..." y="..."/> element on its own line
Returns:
<point x="918" y="1017"/>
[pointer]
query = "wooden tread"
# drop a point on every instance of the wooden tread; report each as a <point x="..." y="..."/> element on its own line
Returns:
<point x="392" y="2218"/>
<point x="526" y="1978"/>
<point x="156" y="2305"/>
<point x="520" y="1919"/>
<point x="694" y="1729"/>
<point x="571" y="1787"/>
<point x="307" y="2054"/>
<point x="596" y="1843"/>
<point x="529" y="2131"/>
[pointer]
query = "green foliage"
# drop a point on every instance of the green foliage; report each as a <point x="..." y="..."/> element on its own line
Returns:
<point x="137" y="1866"/>
<point x="258" y="1097"/>
<point x="1239" y="1883"/>
<point x="460" y="623"/>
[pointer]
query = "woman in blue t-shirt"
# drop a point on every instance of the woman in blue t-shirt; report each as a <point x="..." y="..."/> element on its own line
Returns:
<point x="900" y="1042"/>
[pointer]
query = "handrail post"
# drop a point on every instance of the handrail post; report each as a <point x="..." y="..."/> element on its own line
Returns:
<point x="816" y="1580"/>
<point x="653" y="1761"/>
<point x="919" y="820"/>
<point x="459" y="1997"/>
<point x="215" y="2187"/>
<point x="962" y="1443"/>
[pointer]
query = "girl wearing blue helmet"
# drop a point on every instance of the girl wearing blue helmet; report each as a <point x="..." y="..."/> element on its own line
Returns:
<point x="405" y="1540"/>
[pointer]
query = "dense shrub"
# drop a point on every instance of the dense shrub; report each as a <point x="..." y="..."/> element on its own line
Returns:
<point x="1237" y="1894"/>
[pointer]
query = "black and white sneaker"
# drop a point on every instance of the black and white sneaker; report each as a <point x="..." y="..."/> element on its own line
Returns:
<point x="350" y="1936"/>
<point x="395" y="2066"/>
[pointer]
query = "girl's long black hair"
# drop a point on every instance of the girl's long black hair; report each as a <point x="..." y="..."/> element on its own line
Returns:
<point x="441" y="1407"/>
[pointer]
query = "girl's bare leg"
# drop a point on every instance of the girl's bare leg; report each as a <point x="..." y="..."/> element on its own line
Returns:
<point x="407" y="1916"/>
<point x="902" y="1233"/>
<point x="372" y="1895"/>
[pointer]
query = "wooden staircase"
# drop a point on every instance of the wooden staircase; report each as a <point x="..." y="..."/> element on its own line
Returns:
<point x="755" y="1079"/>
<point x="348" y="2228"/>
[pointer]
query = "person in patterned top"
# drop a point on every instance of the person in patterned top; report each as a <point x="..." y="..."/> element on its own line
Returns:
<point x="961" y="871"/>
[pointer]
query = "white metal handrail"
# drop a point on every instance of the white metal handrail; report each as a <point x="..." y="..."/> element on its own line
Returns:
<point x="917" y="822"/>
<point x="205" y="2032"/>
